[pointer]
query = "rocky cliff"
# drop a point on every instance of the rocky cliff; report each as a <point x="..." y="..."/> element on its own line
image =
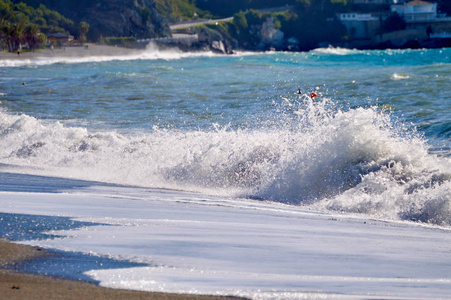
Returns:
<point x="113" y="18"/>
<point x="140" y="19"/>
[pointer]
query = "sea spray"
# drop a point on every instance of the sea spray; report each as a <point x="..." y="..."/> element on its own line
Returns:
<point x="103" y="55"/>
<point x="313" y="154"/>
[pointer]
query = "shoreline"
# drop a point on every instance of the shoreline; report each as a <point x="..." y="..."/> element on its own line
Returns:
<point x="71" y="52"/>
<point x="15" y="284"/>
<point x="95" y="50"/>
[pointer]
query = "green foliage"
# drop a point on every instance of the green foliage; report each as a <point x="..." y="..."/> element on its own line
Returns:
<point x="393" y="23"/>
<point x="83" y="29"/>
<point x="342" y="2"/>
<point x="239" y="19"/>
<point x="120" y="41"/>
<point x="309" y="26"/>
<point x="226" y="8"/>
<point x="47" y="20"/>
<point x="21" y="23"/>
<point x="145" y="14"/>
<point x="179" y="10"/>
<point x="245" y="26"/>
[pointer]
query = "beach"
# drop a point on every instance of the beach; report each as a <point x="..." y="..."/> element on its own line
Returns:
<point x="17" y="285"/>
<point x="202" y="174"/>
<point x="87" y="50"/>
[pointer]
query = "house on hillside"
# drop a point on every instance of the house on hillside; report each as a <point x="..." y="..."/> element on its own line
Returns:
<point x="421" y="14"/>
<point x="360" y="26"/>
<point x="59" y="38"/>
<point x="416" y="11"/>
<point x="376" y="2"/>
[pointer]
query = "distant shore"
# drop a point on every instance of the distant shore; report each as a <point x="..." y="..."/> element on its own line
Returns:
<point x="86" y="51"/>
<point x="17" y="285"/>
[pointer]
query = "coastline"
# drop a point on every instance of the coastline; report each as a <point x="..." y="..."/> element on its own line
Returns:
<point x="74" y="52"/>
<point x="17" y="285"/>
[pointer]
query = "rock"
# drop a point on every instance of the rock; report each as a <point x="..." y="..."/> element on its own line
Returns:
<point x="126" y="18"/>
<point x="218" y="46"/>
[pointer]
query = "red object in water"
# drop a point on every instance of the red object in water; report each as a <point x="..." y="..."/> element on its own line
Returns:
<point x="313" y="95"/>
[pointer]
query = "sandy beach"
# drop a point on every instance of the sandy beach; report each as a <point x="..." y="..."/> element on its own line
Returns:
<point x="17" y="285"/>
<point x="74" y="52"/>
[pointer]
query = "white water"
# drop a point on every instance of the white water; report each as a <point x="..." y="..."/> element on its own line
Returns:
<point x="358" y="161"/>
<point x="350" y="201"/>
<point x="192" y="243"/>
<point x="150" y="53"/>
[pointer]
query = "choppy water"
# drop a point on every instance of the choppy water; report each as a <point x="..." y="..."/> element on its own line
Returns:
<point x="377" y="140"/>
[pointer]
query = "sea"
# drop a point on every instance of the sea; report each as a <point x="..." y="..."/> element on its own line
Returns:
<point x="250" y="153"/>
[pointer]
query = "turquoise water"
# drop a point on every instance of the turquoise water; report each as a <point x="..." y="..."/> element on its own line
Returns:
<point x="195" y="92"/>
<point x="380" y="128"/>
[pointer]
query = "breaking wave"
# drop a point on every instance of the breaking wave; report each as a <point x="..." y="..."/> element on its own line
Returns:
<point x="100" y="54"/>
<point x="335" y="51"/>
<point x="354" y="161"/>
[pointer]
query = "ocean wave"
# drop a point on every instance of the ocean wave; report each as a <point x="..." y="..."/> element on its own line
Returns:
<point x="400" y="76"/>
<point x="336" y="51"/>
<point x="354" y="161"/>
<point x="150" y="53"/>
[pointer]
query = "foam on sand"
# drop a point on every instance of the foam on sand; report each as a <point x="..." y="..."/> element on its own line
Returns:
<point x="191" y="243"/>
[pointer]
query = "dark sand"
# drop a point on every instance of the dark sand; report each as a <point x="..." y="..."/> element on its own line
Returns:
<point x="16" y="285"/>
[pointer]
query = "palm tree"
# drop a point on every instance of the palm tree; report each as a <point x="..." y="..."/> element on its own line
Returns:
<point x="7" y="30"/>
<point x="32" y="36"/>
<point x="83" y="28"/>
<point x="15" y="30"/>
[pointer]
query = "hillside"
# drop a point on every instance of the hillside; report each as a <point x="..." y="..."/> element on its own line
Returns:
<point x="116" y="18"/>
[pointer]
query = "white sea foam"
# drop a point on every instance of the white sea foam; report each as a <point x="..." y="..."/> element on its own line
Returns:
<point x="357" y="161"/>
<point x="400" y="76"/>
<point x="335" y="51"/>
<point x="150" y="53"/>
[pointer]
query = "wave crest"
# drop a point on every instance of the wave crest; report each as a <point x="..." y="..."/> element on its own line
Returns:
<point x="355" y="161"/>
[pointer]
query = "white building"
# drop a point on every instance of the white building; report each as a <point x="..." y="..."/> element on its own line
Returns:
<point x="416" y="11"/>
<point x="356" y="17"/>
<point x="358" y="25"/>
<point x="377" y="2"/>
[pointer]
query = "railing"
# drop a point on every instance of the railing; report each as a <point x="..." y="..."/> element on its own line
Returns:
<point x="199" y="22"/>
<point x="441" y="35"/>
<point x="175" y="39"/>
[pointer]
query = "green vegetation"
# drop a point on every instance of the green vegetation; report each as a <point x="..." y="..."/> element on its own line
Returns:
<point x="21" y="23"/>
<point x="228" y="8"/>
<point x="393" y="23"/>
<point x="119" y="41"/>
<point x="308" y="23"/>
<point x="180" y="10"/>
<point x="83" y="28"/>
<point x="47" y="20"/>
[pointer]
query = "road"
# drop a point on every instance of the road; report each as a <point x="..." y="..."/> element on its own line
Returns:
<point x="198" y="22"/>
<point x="193" y="23"/>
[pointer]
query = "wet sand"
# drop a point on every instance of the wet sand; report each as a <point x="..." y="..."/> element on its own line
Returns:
<point x="17" y="285"/>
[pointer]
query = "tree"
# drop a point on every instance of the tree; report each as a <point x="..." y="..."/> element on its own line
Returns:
<point x="7" y="33"/>
<point x="394" y="23"/>
<point x="83" y="29"/>
<point x="32" y="36"/>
